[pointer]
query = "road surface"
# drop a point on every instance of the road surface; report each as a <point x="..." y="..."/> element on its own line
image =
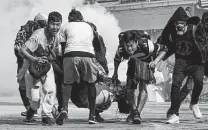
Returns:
<point x="153" y="118"/>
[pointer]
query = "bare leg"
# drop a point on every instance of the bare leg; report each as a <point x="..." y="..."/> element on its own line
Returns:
<point x="91" y="99"/>
<point x="142" y="97"/>
<point x="132" y="101"/>
<point x="131" y="98"/>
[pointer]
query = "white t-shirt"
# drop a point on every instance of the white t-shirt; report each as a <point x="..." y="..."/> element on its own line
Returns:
<point x="38" y="40"/>
<point x="78" y="37"/>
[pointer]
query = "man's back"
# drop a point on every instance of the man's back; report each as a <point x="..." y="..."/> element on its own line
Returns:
<point x="79" y="37"/>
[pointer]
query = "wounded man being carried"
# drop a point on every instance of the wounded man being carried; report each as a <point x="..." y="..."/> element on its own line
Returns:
<point x="106" y="94"/>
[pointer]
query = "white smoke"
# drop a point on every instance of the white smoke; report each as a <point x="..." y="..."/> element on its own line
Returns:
<point x="14" y="13"/>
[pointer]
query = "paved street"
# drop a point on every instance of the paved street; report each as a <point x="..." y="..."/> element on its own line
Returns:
<point x="153" y="118"/>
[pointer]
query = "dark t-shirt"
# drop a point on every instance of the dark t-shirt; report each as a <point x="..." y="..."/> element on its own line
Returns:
<point x="185" y="47"/>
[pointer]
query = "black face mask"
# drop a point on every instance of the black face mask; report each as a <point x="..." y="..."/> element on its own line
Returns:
<point x="180" y="27"/>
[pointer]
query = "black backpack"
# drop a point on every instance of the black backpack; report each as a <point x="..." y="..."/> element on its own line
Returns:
<point x="100" y="49"/>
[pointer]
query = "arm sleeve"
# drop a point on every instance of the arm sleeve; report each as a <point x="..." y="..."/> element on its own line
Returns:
<point x="32" y="44"/>
<point x="118" y="55"/>
<point x="19" y="41"/>
<point x="21" y="37"/>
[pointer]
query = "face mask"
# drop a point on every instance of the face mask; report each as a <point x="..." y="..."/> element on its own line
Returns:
<point x="180" y="27"/>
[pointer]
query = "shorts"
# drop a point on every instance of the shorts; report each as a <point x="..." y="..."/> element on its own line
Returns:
<point x="77" y="68"/>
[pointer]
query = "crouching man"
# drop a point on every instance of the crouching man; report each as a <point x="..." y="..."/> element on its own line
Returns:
<point x="139" y="50"/>
<point x="40" y="51"/>
<point x="79" y="63"/>
<point x="105" y="96"/>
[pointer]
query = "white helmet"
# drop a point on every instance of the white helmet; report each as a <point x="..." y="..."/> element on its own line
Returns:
<point x="40" y="16"/>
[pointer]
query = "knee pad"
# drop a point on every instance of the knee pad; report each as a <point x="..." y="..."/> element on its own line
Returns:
<point x="35" y="95"/>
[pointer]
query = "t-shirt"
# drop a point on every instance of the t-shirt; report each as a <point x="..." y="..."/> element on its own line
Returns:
<point x="78" y="37"/>
<point x="38" y="43"/>
<point x="185" y="46"/>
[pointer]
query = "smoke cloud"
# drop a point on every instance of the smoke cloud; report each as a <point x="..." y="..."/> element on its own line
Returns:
<point x="14" y="13"/>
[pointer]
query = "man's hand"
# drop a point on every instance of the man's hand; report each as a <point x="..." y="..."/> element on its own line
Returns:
<point x="41" y="60"/>
<point x="17" y="47"/>
<point x="153" y="64"/>
<point x="115" y="77"/>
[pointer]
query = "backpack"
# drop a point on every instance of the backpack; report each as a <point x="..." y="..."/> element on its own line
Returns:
<point x="30" y="27"/>
<point x="100" y="49"/>
<point x="22" y="36"/>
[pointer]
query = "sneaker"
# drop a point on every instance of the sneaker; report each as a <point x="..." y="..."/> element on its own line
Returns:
<point x="36" y="114"/>
<point x="136" y="118"/>
<point x="99" y="118"/>
<point x="30" y="114"/>
<point x="47" y="121"/>
<point x="24" y="113"/>
<point x="130" y="117"/>
<point x="29" y="122"/>
<point x="61" y="117"/>
<point x="196" y="111"/>
<point x="55" y="112"/>
<point x="173" y="119"/>
<point x="92" y="120"/>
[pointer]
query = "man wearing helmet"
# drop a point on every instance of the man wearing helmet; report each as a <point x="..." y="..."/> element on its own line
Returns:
<point x="23" y="35"/>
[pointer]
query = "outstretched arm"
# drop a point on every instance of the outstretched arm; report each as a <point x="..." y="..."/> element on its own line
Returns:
<point x="25" y="51"/>
<point x="27" y="55"/>
<point x="154" y="63"/>
<point x="115" y="73"/>
<point x="117" y="60"/>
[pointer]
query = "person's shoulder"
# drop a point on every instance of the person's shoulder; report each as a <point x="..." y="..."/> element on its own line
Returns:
<point x="39" y="33"/>
<point x="85" y="24"/>
<point x="69" y="25"/>
<point x="122" y="52"/>
<point x="29" y="22"/>
<point x="28" y="25"/>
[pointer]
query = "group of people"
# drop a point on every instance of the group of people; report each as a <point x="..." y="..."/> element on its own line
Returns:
<point x="63" y="63"/>
<point x="69" y="62"/>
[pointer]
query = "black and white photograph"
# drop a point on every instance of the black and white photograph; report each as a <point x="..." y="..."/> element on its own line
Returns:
<point x="104" y="65"/>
